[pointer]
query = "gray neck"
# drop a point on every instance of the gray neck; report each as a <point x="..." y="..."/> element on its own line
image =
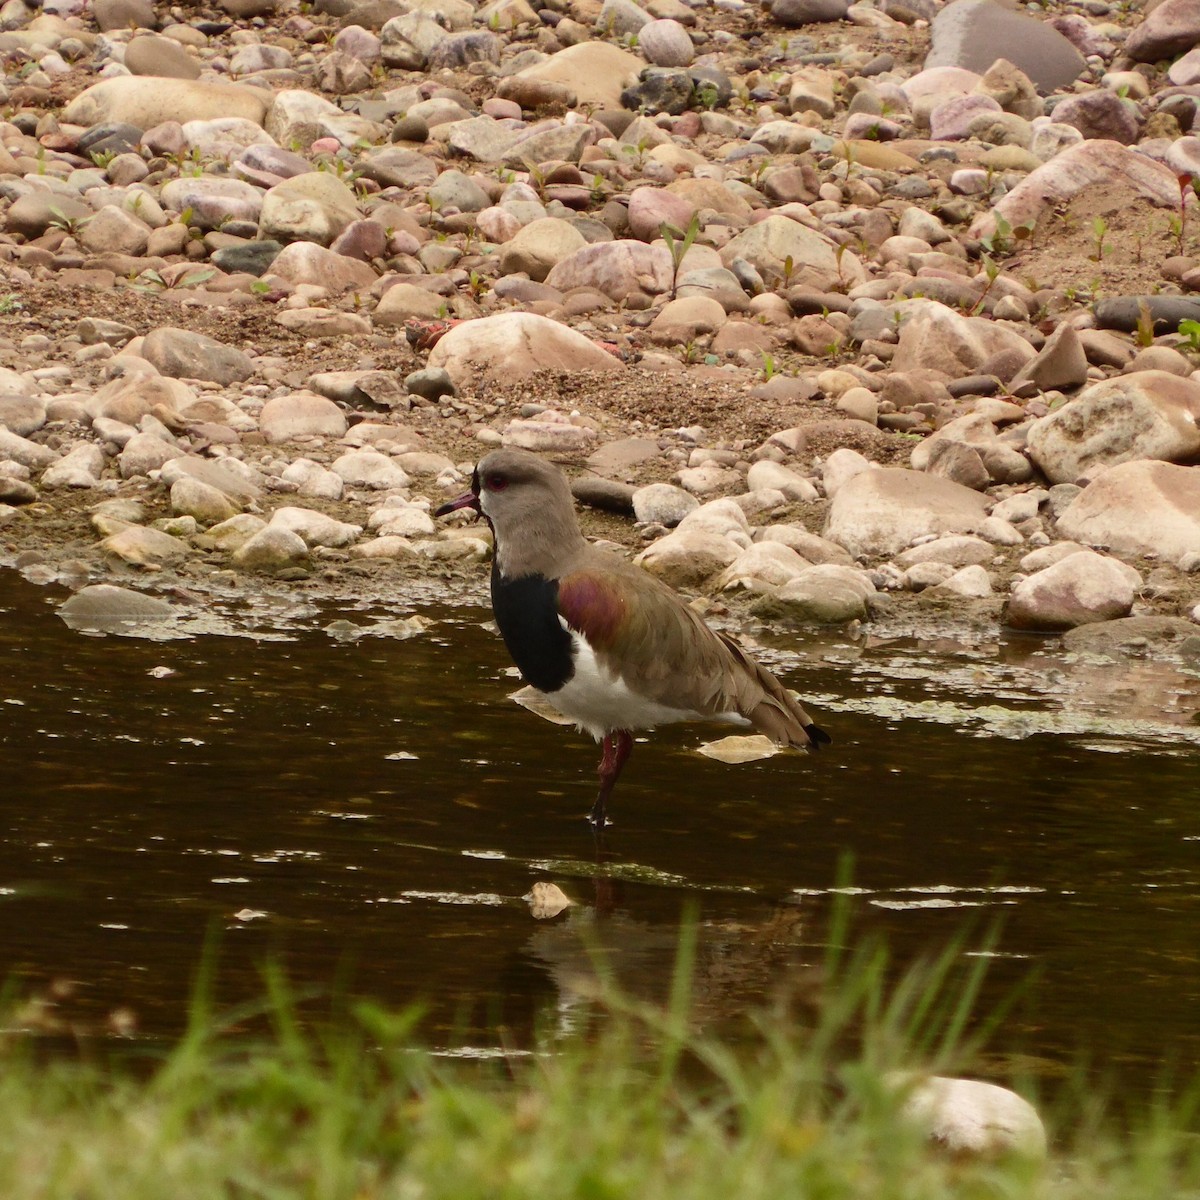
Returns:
<point x="537" y="542"/>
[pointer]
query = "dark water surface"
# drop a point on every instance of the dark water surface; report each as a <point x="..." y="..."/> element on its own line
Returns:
<point x="377" y="808"/>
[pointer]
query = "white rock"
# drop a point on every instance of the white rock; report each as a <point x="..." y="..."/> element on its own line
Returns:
<point x="662" y="504"/>
<point x="688" y="557"/>
<point x="314" y="527"/>
<point x="761" y="567"/>
<point x="370" y="469"/>
<point x="842" y="466"/>
<point x="972" y="583"/>
<point x="1077" y="590"/>
<point x="768" y="474"/>
<point x="967" y="1116"/>
<point x="1138" y="508"/>
<point x="80" y="467"/>
<point x="884" y="511"/>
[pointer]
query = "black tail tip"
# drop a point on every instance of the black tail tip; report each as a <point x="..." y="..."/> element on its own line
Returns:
<point x="817" y="737"/>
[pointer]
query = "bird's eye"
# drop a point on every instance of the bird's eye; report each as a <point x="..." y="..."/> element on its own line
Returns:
<point x="497" y="482"/>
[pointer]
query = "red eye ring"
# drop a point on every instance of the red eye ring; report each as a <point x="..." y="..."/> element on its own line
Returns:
<point x="496" y="482"/>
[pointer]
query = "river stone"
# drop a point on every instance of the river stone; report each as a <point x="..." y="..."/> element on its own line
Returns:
<point x="1076" y="590"/>
<point x="761" y="567"/>
<point x="688" y="557"/>
<point x="80" y="467"/>
<point x="883" y="512"/>
<point x="808" y="545"/>
<point x="974" y="34"/>
<point x="114" y="231"/>
<point x="1090" y="164"/>
<point x="230" y="535"/>
<point x="1146" y="414"/>
<point x="315" y="207"/>
<point x="796" y="13"/>
<point x="270" y="550"/>
<point x="22" y="415"/>
<point x="182" y="354"/>
<point x="302" y="414"/>
<point x="937" y="338"/>
<point x="143" y="453"/>
<point x="314" y="527"/>
<point x="768" y="244"/>
<point x="213" y="201"/>
<point x="1166" y="31"/>
<point x="1136" y="508"/>
<point x="615" y="269"/>
<point x="306" y="262"/>
<point x="724" y="516"/>
<point x="514" y="345"/>
<point x="190" y="497"/>
<point x="146" y="101"/>
<point x="124" y="14"/>
<point x="666" y="43"/>
<point x="15" y="491"/>
<point x="971" y="1119"/>
<point x="1124" y="312"/>
<point x="163" y="56"/>
<point x="140" y="546"/>
<point x="768" y="474"/>
<point x="595" y="71"/>
<point x="828" y="594"/>
<point x="241" y="483"/>
<point x="539" y="247"/>
<point x="1132" y="637"/>
<point x="105" y="607"/>
<point x="1060" y="363"/>
<point x="313" y="480"/>
<point x="662" y="504"/>
<point x="370" y="469"/>
<point x="32" y="214"/>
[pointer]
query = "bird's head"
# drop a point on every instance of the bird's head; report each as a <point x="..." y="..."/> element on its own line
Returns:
<point x="528" y="504"/>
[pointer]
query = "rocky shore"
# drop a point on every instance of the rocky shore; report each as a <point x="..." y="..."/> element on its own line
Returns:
<point x="829" y="311"/>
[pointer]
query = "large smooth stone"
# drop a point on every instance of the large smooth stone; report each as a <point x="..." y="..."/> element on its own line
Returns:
<point x="1076" y="590"/>
<point x="597" y="72"/>
<point x="974" y="34"/>
<point x="514" y="345"/>
<point x="146" y="101"/>
<point x="1143" y="507"/>
<point x="883" y="512"/>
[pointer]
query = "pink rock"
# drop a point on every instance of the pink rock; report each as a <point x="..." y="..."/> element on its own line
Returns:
<point x="514" y="345"/>
<point x="666" y="43"/>
<point x="1145" y="414"/>
<point x="650" y="207"/>
<point x="949" y="121"/>
<point x="301" y="414"/>
<point x="306" y="262"/>
<point x="1090" y="164"/>
<point x="326" y="145"/>
<point x="616" y="269"/>
<point x="1170" y="29"/>
<point x="1077" y="590"/>
<point x="1140" y="507"/>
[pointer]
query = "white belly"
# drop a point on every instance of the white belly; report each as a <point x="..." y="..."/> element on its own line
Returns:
<point x="599" y="702"/>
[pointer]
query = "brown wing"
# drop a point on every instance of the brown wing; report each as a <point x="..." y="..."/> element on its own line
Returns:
<point x="662" y="649"/>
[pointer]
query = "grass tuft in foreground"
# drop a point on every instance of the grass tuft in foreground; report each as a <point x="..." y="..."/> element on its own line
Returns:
<point x="639" y="1105"/>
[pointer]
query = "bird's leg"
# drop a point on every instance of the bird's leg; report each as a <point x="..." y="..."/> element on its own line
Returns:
<point x="616" y="748"/>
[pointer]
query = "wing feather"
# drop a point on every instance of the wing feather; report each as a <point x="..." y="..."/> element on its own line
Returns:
<point x="661" y="648"/>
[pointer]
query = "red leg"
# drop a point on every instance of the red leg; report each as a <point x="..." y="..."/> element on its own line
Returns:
<point x="616" y="746"/>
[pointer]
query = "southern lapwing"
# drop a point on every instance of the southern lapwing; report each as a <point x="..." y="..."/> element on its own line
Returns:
<point x="612" y="648"/>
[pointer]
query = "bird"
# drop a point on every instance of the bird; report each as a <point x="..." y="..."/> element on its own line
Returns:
<point x="613" y="648"/>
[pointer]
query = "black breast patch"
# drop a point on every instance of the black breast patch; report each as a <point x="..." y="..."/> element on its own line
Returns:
<point x="527" y="612"/>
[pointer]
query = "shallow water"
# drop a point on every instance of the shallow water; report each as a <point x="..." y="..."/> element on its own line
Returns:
<point x="371" y="810"/>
